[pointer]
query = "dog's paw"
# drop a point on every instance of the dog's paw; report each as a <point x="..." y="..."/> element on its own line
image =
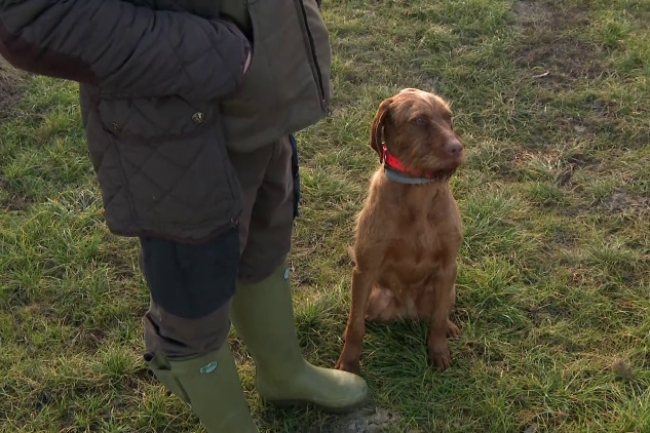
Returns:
<point x="349" y="366"/>
<point x="452" y="330"/>
<point x="440" y="358"/>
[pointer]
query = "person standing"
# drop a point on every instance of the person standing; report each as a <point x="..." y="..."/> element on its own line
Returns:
<point x="189" y="109"/>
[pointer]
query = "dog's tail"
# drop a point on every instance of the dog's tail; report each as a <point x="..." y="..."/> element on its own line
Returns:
<point x="351" y="254"/>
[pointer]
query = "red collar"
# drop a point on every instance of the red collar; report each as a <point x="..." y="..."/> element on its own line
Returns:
<point x="393" y="162"/>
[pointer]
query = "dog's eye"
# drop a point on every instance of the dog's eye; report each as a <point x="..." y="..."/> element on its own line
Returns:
<point x="450" y="121"/>
<point x="419" y="121"/>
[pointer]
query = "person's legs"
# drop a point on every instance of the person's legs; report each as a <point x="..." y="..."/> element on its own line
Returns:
<point x="269" y="217"/>
<point x="187" y="326"/>
<point x="192" y="301"/>
<point x="262" y="310"/>
<point x="191" y="288"/>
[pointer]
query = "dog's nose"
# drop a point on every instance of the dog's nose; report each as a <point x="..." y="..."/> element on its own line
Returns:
<point x="454" y="146"/>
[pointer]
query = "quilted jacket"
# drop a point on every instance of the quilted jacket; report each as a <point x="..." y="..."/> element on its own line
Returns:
<point x="164" y="98"/>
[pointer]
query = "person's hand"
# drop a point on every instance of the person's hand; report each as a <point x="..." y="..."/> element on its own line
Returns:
<point x="248" y="45"/>
<point x="249" y="58"/>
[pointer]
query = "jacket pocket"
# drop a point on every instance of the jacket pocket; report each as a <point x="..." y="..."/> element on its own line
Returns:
<point x="173" y="160"/>
<point x="155" y="120"/>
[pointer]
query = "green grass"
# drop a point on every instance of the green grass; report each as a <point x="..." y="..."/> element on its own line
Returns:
<point x="551" y="98"/>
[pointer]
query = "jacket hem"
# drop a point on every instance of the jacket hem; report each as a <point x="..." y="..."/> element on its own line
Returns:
<point x="175" y="236"/>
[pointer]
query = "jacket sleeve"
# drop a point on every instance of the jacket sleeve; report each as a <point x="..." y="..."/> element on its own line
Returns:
<point x="124" y="49"/>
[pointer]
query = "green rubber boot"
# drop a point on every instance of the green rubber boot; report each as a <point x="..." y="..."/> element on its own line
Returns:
<point x="210" y="386"/>
<point x="262" y="315"/>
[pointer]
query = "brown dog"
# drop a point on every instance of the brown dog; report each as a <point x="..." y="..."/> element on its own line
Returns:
<point x="409" y="232"/>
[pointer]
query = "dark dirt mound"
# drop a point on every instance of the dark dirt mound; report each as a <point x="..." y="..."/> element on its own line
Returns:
<point x="11" y="86"/>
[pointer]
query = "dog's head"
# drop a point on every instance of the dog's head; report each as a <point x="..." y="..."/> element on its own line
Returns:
<point x="417" y="127"/>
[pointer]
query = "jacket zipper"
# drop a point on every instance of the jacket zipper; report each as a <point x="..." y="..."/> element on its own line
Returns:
<point x="317" y="73"/>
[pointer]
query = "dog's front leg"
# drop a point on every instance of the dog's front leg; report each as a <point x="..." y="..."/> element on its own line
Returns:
<point x="356" y="327"/>
<point x="439" y="325"/>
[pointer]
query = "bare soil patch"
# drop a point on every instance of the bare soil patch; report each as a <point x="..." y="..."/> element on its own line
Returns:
<point x="550" y="47"/>
<point x="622" y="202"/>
<point x="366" y="420"/>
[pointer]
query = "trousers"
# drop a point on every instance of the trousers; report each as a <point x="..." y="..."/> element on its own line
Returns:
<point x="191" y="286"/>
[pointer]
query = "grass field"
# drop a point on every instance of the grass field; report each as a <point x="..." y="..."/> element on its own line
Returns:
<point x="552" y="100"/>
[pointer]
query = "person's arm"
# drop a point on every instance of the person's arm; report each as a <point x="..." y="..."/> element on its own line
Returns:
<point x="124" y="49"/>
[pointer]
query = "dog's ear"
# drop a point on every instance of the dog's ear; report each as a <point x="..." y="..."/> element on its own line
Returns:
<point x="377" y="128"/>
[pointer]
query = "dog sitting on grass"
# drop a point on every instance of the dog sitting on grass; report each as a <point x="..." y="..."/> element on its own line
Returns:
<point x="409" y="231"/>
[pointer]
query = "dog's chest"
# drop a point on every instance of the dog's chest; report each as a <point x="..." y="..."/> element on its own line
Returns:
<point x="423" y="238"/>
<point x="416" y="250"/>
<point x="425" y="226"/>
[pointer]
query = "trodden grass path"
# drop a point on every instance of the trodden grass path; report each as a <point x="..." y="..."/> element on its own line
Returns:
<point x="552" y="99"/>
